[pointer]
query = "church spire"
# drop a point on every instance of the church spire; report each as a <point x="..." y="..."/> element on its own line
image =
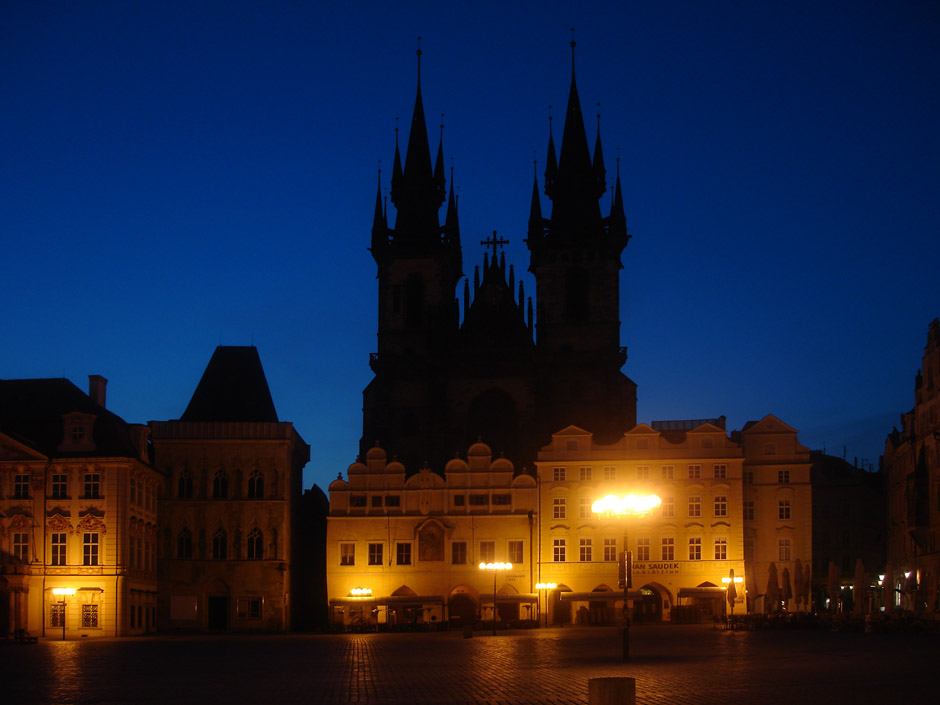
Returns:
<point x="618" y="220"/>
<point x="600" y="173"/>
<point x="379" y="224"/>
<point x="418" y="197"/>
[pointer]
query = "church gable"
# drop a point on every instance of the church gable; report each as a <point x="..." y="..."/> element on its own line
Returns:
<point x="12" y="449"/>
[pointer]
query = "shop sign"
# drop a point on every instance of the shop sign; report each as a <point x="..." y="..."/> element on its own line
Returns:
<point x="657" y="568"/>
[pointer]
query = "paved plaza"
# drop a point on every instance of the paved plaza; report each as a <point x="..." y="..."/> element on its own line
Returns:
<point x="671" y="663"/>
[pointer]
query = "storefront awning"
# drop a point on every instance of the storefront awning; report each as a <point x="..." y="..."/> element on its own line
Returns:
<point x="702" y="592"/>
<point x="388" y="600"/>
<point x="604" y="595"/>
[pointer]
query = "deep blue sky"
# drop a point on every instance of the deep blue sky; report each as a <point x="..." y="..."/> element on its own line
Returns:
<point x="180" y="175"/>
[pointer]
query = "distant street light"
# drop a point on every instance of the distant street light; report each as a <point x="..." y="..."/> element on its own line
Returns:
<point x="495" y="567"/>
<point x="546" y="588"/>
<point x="624" y="508"/>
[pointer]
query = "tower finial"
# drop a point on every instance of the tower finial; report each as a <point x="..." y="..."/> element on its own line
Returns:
<point x="572" y="53"/>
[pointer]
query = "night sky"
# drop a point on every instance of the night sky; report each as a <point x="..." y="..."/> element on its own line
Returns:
<point x="177" y="176"/>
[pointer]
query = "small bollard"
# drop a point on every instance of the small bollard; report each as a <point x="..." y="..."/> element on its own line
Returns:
<point x="612" y="691"/>
<point x="468" y="631"/>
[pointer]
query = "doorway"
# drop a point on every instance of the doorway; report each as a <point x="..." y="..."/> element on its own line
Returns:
<point x="217" y="612"/>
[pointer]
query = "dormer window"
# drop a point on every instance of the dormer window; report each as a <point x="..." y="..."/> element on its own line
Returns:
<point x="78" y="432"/>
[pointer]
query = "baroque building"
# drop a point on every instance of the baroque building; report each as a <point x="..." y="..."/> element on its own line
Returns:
<point x="78" y="513"/>
<point x="228" y="511"/>
<point x="911" y="467"/>
<point x="505" y="373"/>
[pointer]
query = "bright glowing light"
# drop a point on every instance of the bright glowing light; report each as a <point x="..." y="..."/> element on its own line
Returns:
<point x="545" y="586"/>
<point x="360" y="592"/>
<point x="63" y="591"/>
<point x="631" y="504"/>
<point x="496" y="566"/>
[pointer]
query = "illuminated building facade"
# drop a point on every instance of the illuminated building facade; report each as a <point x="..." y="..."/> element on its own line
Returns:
<point x="228" y="511"/>
<point x="911" y="466"/>
<point x="78" y="513"/>
<point x="406" y="550"/>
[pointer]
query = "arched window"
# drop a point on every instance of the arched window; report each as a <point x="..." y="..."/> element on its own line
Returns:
<point x="256" y="484"/>
<point x="219" y="544"/>
<point x="220" y="485"/>
<point x="184" y="544"/>
<point x="255" y="544"/>
<point x="184" y="488"/>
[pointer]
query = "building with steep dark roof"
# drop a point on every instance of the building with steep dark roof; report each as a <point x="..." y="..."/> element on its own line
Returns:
<point x="229" y="508"/>
<point x="78" y="507"/>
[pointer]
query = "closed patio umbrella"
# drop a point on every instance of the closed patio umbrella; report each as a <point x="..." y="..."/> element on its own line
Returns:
<point x="772" y="596"/>
<point x="808" y="587"/>
<point x="732" y="592"/>
<point x="832" y="586"/>
<point x="798" y="583"/>
<point x="786" y="589"/>
<point x="859" y="583"/>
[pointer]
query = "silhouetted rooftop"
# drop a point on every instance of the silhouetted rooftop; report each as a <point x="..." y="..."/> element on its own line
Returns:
<point x="233" y="388"/>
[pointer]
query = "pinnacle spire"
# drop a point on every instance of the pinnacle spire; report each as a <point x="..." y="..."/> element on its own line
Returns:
<point x="600" y="173"/>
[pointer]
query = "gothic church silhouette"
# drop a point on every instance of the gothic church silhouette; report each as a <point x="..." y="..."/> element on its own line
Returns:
<point x="503" y="373"/>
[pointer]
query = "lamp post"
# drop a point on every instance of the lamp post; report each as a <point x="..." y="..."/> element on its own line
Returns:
<point x="624" y="508"/>
<point x="495" y="567"/>
<point x="545" y="588"/>
<point x="63" y="593"/>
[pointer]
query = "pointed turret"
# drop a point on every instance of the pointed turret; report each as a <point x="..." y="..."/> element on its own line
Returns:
<point x="439" y="180"/>
<point x="600" y="173"/>
<point x="551" y="162"/>
<point x="536" y="222"/>
<point x="379" y="224"/>
<point x="396" y="169"/>
<point x="618" y="220"/>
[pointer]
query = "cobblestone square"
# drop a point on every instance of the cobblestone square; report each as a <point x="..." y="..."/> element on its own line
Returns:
<point x="671" y="663"/>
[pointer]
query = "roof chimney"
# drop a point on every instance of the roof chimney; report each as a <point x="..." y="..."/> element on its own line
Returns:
<point x="96" y="388"/>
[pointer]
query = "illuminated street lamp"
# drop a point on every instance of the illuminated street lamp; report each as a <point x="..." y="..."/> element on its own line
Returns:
<point x="546" y="588"/>
<point x="624" y="508"/>
<point x="495" y="567"/>
<point x="63" y="593"/>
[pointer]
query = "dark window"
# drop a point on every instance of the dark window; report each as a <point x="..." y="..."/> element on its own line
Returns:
<point x="220" y="485"/>
<point x="21" y="487"/>
<point x="184" y="488"/>
<point x="58" y="549"/>
<point x="393" y="501"/>
<point x="502" y="499"/>
<point x="460" y="500"/>
<point x="376" y="500"/>
<point x="375" y="554"/>
<point x="184" y="544"/>
<point x="89" y="616"/>
<point x="458" y="552"/>
<point x="219" y="545"/>
<point x="60" y="486"/>
<point x="479" y="500"/>
<point x="90" y="549"/>
<point x="255" y="545"/>
<point x="256" y="485"/>
<point x="92" y="486"/>
<point x="403" y="554"/>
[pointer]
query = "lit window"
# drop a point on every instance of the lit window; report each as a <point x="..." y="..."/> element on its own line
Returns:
<point x="643" y="549"/>
<point x="695" y="472"/>
<point x="256" y="484"/>
<point x="90" y="549"/>
<point x="375" y="553"/>
<point x="669" y="507"/>
<point x="57" y="615"/>
<point x="219" y="544"/>
<point x="515" y="552"/>
<point x="458" y="552"/>
<point x="783" y="477"/>
<point x="21" y="487"/>
<point x="184" y="486"/>
<point x="487" y="551"/>
<point x="255" y="546"/>
<point x="403" y="554"/>
<point x="558" y="550"/>
<point x="558" y="508"/>
<point x="610" y="550"/>
<point x="695" y="506"/>
<point x="721" y="472"/>
<point x="347" y="554"/>
<point x="586" y="550"/>
<point x="184" y="544"/>
<point x="783" y="549"/>
<point x="21" y="546"/>
<point x="89" y="616"/>
<point x="558" y="474"/>
<point x="610" y="473"/>
<point x="643" y="472"/>
<point x="669" y="472"/>
<point x="219" y="485"/>
<point x="721" y="505"/>
<point x="60" y="486"/>
<point x="783" y="509"/>
<point x="58" y="549"/>
<point x="695" y="549"/>
<point x="748" y="510"/>
<point x="584" y="507"/>
<point x="584" y="473"/>
<point x="721" y="549"/>
<point x="668" y="549"/>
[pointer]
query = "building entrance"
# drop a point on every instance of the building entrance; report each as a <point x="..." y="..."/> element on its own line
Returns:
<point x="217" y="611"/>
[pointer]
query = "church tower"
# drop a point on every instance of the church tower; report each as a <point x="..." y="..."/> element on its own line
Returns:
<point x="575" y="258"/>
<point x="419" y="265"/>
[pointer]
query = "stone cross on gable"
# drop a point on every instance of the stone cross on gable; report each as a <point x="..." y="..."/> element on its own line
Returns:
<point x="495" y="243"/>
